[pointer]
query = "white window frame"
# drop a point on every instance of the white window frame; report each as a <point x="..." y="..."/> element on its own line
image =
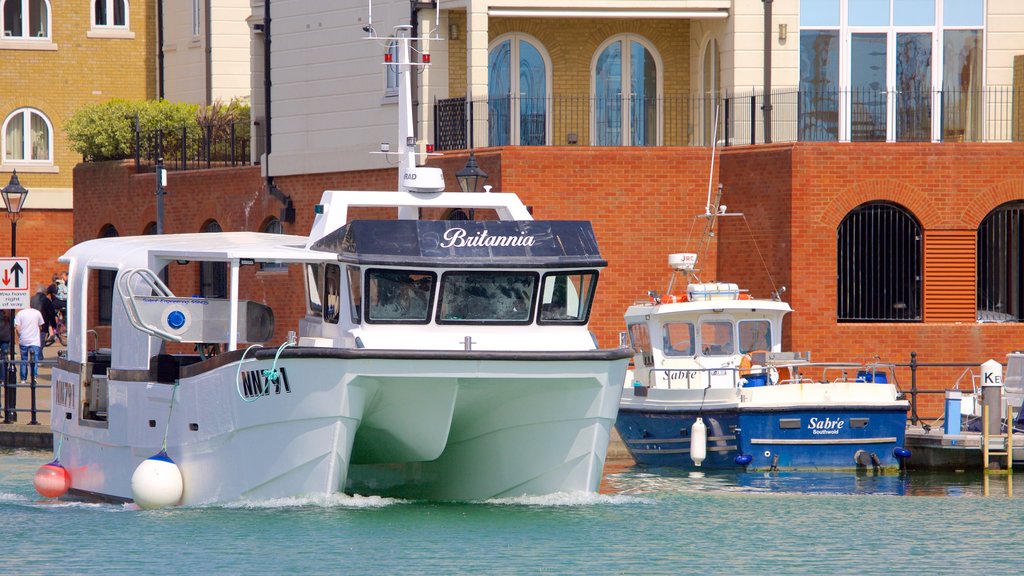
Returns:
<point x="26" y="143"/>
<point x="659" y="64"/>
<point x="25" y="40"/>
<point x="197" y="21"/>
<point x="936" y="30"/>
<point x="110" y="30"/>
<point x="514" y="39"/>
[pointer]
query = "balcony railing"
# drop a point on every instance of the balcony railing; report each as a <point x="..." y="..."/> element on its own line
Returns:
<point x="995" y="114"/>
<point x="194" y="147"/>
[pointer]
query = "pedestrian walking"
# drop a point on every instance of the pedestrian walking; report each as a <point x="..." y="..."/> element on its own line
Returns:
<point x="43" y="302"/>
<point x="28" y="325"/>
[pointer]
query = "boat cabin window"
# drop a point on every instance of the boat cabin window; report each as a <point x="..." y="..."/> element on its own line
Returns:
<point x="355" y="289"/>
<point x="567" y="297"/>
<point x="640" y="342"/>
<point x="394" y="296"/>
<point x="487" y="297"/>
<point x="716" y="338"/>
<point x="678" y="339"/>
<point x="104" y="295"/>
<point x="755" y="335"/>
<point x="315" y="288"/>
<point x="332" y="293"/>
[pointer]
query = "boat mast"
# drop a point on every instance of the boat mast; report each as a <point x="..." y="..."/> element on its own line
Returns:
<point x="406" y="135"/>
<point x="711" y="211"/>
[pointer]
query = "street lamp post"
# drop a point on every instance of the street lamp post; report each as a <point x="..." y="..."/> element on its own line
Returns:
<point x="14" y="195"/>
<point x="469" y="177"/>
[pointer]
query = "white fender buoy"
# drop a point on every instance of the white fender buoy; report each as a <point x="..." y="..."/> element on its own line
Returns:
<point x="52" y="480"/>
<point x="698" y="441"/>
<point x="157" y="482"/>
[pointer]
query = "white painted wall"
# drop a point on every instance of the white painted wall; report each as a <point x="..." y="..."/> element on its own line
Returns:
<point x="230" y="40"/>
<point x="1004" y="21"/>
<point x="184" y="59"/>
<point x="185" y="75"/>
<point x="328" y="105"/>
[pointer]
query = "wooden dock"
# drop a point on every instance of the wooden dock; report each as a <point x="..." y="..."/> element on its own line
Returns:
<point x="934" y="450"/>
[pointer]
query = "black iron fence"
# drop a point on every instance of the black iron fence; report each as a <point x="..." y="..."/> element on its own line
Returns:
<point x="194" y="147"/>
<point x="9" y="383"/>
<point x="994" y="114"/>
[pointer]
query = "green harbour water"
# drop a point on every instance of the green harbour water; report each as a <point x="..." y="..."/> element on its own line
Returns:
<point x="643" y="522"/>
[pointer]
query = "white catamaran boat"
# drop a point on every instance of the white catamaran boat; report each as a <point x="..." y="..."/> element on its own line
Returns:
<point x="712" y="388"/>
<point x="437" y="359"/>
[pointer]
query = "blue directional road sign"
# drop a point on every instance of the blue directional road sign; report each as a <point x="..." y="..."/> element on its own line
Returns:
<point x="14" y="292"/>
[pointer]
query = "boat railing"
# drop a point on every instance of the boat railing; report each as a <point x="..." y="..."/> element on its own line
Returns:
<point x="131" y="307"/>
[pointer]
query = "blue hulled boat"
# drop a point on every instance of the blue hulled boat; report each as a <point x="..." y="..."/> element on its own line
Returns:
<point x="712" y="388"/>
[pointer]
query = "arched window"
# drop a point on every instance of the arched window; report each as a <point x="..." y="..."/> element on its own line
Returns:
<point x="110" y="13"/>
<point x="25" y="19"/>
<point x="626" y="77"/>
<point x="105" y="284"/>
<point x="878" y="266"/>
<point x="213" y="276"/>
<point x="517" y="91"/>
<point x="27" y="137"/>
<point x="1001" y="264"/>
<point x="711" y="89"/>
<point x="272" y="226"/>
<point x="458" y="214"/>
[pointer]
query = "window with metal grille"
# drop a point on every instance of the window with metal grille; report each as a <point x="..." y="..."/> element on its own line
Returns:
<point x="878" y="266"/>
<point x="1000" y="269"/>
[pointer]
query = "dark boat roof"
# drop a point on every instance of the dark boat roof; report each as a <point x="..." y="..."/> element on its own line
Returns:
<point x="460" y="243"/>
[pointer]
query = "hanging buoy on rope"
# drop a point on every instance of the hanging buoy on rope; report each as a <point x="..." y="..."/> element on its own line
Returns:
<point x="52" y="480"/>
<point x="698" y="441"/>
<point x="157" y="482"/>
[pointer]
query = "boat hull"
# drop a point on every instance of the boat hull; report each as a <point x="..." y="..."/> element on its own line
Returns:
<point x="452" y="426"/>
<point x="822" y="437"/>
<point x="775" y="436"/>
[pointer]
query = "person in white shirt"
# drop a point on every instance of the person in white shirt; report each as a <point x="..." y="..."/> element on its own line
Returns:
<point x="27" y="324"/>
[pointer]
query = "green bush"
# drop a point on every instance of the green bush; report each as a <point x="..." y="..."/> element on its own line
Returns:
<point x="107" y="131"/>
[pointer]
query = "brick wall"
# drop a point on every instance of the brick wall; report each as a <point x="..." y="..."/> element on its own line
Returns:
<point x="948" y="188"/>
<point x="43" y="235"/>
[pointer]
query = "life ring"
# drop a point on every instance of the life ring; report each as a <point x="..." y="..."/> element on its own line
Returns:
<point x="673" y="298"/>
<point x="745" y="364"/>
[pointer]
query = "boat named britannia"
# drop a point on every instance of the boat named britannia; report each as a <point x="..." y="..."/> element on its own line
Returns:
<point x="446" y="360"/>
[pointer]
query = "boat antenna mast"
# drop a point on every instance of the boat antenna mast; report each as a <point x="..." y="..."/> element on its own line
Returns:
<point x="686" y="263"/>
<point x="412" y="178"/>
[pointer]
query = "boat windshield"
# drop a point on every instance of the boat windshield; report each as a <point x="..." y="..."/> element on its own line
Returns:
<point x="678" y="339"/>
<point x="755" y="335"/>
<point x="487" y="296"/>
<point x="399" y="295"/>
<point x="567" y="297"/>
<point x="716" y="338"/>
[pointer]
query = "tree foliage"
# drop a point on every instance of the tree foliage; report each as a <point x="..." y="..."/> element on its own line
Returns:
<point x="107" y="131"/>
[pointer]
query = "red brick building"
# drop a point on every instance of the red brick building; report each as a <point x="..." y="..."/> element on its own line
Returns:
<point x="643" y="201"/>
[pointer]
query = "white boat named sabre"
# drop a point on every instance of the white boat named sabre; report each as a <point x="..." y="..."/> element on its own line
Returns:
<point x="436" y="359"/>
<point x="712" y="388"/>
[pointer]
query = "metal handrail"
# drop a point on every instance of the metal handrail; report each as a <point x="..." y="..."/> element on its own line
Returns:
<point x="128" y="299"/>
